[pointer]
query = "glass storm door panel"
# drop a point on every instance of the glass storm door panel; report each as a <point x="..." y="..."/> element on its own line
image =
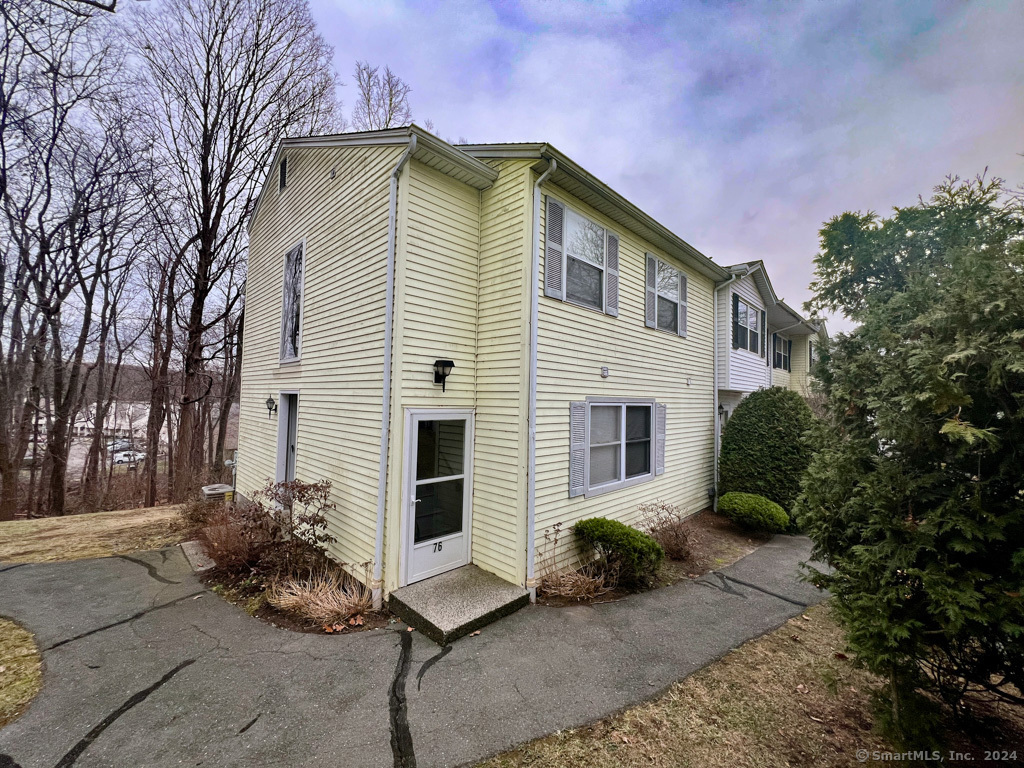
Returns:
<point x="439" y="506"/>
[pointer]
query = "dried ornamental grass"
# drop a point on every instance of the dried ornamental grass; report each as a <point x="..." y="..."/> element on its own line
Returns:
<point x="326" y="596"/>
<point x="664" y="523"/>
<point x="577" y="581"/>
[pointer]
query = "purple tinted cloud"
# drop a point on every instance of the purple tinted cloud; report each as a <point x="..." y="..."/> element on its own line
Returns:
<point x="741" y="126"/>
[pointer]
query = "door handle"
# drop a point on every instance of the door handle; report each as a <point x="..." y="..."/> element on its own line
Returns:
<point x="416" y="501"/>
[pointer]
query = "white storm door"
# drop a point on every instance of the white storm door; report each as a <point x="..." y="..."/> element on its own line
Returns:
<point x="438" y="492"/>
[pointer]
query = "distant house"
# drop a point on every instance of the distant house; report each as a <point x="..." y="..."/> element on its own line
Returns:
<point x="476" y="343"/>
<point x="762" y="341"/>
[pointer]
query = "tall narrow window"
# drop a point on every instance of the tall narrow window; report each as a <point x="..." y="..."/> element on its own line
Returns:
<point x="291" y="308"/>
<point x="282" y="180"/>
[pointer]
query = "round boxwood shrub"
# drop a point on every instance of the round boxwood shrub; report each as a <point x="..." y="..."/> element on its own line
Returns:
<point x="636" y="554"/>
<point x="757" y="513"/>
<point x="764" y="450"/>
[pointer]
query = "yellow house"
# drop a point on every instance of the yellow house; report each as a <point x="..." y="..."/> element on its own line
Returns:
<point x="473" y="344"/>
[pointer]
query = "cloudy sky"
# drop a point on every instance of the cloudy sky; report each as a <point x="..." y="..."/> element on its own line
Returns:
<point x="742" y="126"/>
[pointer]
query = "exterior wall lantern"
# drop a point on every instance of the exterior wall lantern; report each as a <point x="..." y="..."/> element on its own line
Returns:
<point x="271" y="407"/>
<point x="442" y="369"/>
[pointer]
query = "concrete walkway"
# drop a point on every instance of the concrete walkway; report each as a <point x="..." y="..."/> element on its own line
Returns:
<point x="144" y="667"/>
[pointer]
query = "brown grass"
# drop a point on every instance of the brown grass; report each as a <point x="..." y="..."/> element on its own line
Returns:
<point x="326" y="596"/>
<point x="775" y="701"/>
<point x="20" y="670"/>
<point x="789" y="699"/>
<point x="99" y="534"/>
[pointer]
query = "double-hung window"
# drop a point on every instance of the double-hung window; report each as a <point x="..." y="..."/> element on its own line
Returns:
<point x="747" y="326"/>
<point x="581" y="260"/>
<point x="291" y="305"/>
<point x="615" y="444"/>
<point x="666" y="297"/>
<point x="782" y="352"/>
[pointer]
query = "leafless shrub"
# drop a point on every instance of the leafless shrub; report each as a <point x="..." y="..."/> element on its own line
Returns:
<point x="197" y="513"/>
<point x="580" y="580"/>
<point x="664" y="523"/>
<point x="326" y="595"/>
<point x="236" y="541"/>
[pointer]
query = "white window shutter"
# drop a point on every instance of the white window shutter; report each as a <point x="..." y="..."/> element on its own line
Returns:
<point x="553" y="261"/>
<point x="651" y="313"/>
<point x="682" y="304"/>
<point x="611" y="297"/>
<point x="577" y="448"/>
<point x="661" y="419"/>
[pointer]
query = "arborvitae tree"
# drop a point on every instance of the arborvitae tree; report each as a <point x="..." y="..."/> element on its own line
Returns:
<point x="763" y="449"/>
<point x="915" y="496"/>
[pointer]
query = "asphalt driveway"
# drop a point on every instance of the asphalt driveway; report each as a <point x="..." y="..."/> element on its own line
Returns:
<point x="145" y="667"/>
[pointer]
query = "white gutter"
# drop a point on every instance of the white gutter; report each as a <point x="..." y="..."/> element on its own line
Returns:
<point x="377" y="584"/>
<point x="531" y="461"/>
<point x="714" y="373"/>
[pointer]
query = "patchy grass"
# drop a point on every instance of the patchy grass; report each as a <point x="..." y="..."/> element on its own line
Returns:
<point x="99" y="534"/>
<point x="790" y="698"/>
<point x="20" y="670"/>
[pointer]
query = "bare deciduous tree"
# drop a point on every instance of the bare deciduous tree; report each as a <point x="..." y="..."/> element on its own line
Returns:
<point x="382" y="100"/>
<point x="223" y="82"/>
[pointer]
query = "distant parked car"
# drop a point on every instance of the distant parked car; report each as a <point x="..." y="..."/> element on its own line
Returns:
<point x="120" y="445"/>
<point x="129" y="457"/>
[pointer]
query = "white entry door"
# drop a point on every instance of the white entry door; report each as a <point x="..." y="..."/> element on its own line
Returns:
<point x="438" y="492"/>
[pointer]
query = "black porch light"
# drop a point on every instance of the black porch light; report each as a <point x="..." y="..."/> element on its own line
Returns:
<point x="271" y="407"/>
<point x="442" y="369"/>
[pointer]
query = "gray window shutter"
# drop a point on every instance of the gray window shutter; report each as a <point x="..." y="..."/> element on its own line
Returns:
<point x="661" y="419"/>
<point x="553" y="261"/>
<point x="682" y="304"/>
<point x="789" y="355"/>
<point x="764" y="333"/>
<point x="611" y="297"/>
<point x="577" y="447"/>
<point x="735" y="321"/>
<point x="651" y="313"/>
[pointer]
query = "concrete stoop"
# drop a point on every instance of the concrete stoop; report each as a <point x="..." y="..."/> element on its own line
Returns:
<point x="450" y="606"/>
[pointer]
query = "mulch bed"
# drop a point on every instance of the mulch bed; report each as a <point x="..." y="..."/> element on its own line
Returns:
<point x="250" y="595"/>
<point x="716" y="542"/>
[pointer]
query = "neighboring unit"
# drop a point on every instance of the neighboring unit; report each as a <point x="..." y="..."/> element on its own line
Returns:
<point x="476" y="343"/>
<point x="762" y="341"/>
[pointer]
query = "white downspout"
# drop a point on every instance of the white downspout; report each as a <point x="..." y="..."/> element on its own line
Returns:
<point x="714" y="389"/>
<point x="377" y="584"/>
<point x="531" y="461"/>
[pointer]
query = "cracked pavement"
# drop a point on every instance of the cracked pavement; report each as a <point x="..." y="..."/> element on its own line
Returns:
<point x="145" y="667"/>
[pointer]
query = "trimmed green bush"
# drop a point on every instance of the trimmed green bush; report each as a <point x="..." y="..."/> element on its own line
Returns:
<point x="764" y="450"/>
<point x="754" y="512"/>
<point x="636" y="554"/>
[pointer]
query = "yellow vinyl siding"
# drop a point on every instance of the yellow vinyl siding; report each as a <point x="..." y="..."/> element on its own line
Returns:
<point x="798" y="380"/>
<point x="435" y="316"/>
<point x="574" y="344"/>
<point x="499" y="483"/>
<point x="344" y="221"/>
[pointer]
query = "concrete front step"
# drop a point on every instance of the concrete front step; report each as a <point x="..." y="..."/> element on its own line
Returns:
<point x="449" y="606"/>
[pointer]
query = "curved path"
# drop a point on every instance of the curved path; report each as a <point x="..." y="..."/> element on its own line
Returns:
<point x="145" y="667"/>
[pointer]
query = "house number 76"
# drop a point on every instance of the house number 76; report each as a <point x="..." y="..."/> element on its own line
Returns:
<point x="438" y="546"/>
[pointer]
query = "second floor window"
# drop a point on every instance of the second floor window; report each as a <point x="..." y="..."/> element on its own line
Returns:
<point x="666" y="297"/>
<point x="782" y="352"/>
<point x="747" y="326"/>
<point x="581" y="260"/>
<point x="291" y="305"/>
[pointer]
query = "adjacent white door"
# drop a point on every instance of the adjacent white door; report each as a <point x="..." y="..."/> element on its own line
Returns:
<point x="438" y="492"/>
<point x="287" y="434"/>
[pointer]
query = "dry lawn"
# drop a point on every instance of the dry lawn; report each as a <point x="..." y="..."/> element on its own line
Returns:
<point x="775" y="701"/>
<point x="20" y="670"/>
<point x="99" y="534"/>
